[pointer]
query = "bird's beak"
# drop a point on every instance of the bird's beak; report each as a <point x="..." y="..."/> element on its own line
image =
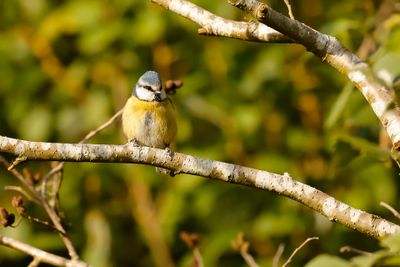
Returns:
<point x="157" y="96"/>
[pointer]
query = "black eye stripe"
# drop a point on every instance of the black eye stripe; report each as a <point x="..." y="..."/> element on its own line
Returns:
<point x="147" y="87"/>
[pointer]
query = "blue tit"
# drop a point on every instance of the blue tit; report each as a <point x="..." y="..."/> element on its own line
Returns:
<point x="149" y="116"/>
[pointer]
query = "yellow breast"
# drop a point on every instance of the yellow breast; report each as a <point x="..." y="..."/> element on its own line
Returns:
<point x="150" y="123"/>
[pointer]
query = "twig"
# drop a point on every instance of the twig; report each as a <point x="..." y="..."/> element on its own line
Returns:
<point x="21" y="178"/>
<point x="46" y="178"/>
<point x="53" y="195"/>
<point x="35" y="262"/>
<point x="242" y="245"/>
<point x="249" y="259"/>
<point x="370" y="41"/>
<point x="20" y="190"/>
<point x="289" y="7"/>
<point x="60" y="166"/>
<point x="311" y="197"/>
<point x="298" y="249"/>
<point x="102" y="127"/>
<point x="17" y="161"/>
<point x="191" y="240"/>
<point x="278" y="255"/>
<point x="39" y="254"/>
<point x="197" y="257"/>
<point x="41" y="222"/>
<point x="391" y="209"/>
<point x="355" y="250"/>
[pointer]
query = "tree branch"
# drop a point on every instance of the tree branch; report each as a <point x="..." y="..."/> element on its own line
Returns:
<point x="298" y="249"/>
<point x="39" y="254"/>
<point x="380" y="97"/>
<point x="40" y="198"/>
<point x="217" y="26"/>
<point x="324" y="204"/>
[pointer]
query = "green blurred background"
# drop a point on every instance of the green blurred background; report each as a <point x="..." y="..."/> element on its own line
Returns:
<point x="68" y="66"/>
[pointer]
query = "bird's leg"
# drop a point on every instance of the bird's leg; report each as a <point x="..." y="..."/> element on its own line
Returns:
<point x="170" y="152"/>
<point x="133" y="142"/>
<point x="165" y="170"/>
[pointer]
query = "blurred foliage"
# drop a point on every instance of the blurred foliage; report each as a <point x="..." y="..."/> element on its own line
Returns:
<point x="387" y="256"/>
<point x="67" y="66"/>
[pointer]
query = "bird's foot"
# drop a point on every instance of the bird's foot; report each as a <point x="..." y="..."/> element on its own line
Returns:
<point x="171" y="153"/>
<point x="133" y="142"/>
<point x="165" y="171"/>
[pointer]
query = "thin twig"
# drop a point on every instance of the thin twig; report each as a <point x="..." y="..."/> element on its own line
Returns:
<point x="289" y="7"/>
<point x="198" y="259"/>
<point x="41" y="222"/>
<point x="46" y="178"/>
<point x="53" y="195"/>
<point x="35" y="262"/>
<point x="20" y="190"/>
<point x="248" y="258"/>
<point x="278" y="255"/>
<point x="39" y="254"/>
<point x="102" y="127"/>
<point x="191" y="240"/>
<point x="298" y="249"/>
<point x="391" y="209"/>
<point x="60" y="166"/>
<point x="242" y="245"/>
<point x="17" y="161"/>
<point x="355" y="250"/>
<point x="21" y="178"/>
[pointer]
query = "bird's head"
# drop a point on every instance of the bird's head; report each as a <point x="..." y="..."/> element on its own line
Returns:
<point x="149" y="87"/>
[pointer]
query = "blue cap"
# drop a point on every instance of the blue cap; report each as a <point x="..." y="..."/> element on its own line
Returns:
<point x="151" y="77"/>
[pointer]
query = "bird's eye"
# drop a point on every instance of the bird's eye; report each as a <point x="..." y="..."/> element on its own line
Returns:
<point x="147" y="87"/>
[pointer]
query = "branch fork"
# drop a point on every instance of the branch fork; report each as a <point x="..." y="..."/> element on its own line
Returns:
<point x="273" y="27"/>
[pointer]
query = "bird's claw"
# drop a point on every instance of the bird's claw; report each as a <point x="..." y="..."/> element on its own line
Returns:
<point x="133" y="142"/>
<point x="171" y="153"/>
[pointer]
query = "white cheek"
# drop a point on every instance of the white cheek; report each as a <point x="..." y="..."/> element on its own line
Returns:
<point x="144" y="94"/>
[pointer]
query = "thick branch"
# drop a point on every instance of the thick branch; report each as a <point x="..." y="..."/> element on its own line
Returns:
<point x="41" y="255"/>
<point x="214" y="25"/>
<point x="326" y="205"/>
<point x="330" y="49"/>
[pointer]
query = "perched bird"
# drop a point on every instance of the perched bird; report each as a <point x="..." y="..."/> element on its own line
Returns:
<point x="149" y="117"/>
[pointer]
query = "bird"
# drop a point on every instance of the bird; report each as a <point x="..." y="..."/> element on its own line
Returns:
<point x="149" y="117"/>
